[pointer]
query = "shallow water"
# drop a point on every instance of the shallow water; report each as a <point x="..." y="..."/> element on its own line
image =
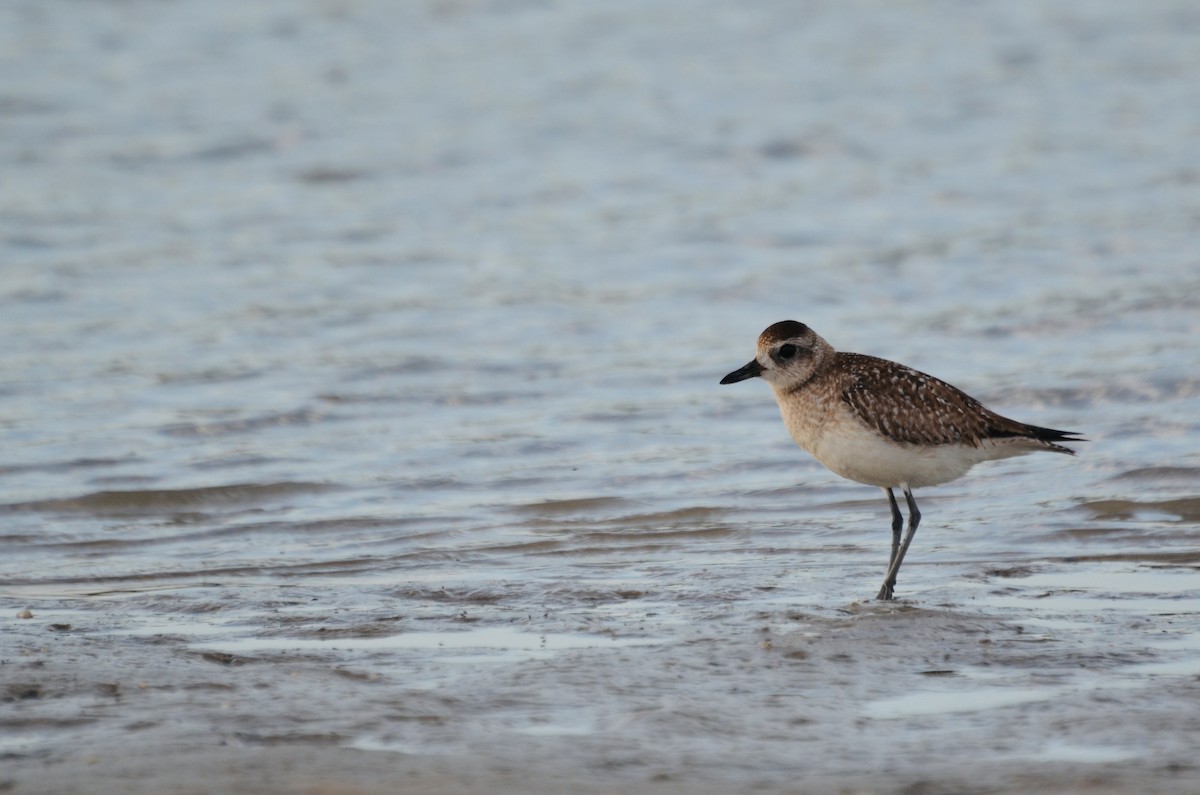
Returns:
<point x="361" y="424"/>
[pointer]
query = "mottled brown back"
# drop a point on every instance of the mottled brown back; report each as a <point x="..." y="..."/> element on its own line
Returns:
<point x="909" y="406"/>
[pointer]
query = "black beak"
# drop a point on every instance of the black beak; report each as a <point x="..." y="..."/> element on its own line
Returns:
<point x="751" y="370"/>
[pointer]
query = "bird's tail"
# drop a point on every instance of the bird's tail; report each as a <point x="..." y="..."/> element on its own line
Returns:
<point x="1049" y="437"/>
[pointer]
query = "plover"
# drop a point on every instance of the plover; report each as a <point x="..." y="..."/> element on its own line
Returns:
<point x="881" y="423"/>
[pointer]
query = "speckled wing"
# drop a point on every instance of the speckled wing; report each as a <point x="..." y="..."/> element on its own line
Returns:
<point x="911" y="407"/>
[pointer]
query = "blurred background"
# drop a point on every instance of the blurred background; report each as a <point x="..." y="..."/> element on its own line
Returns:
<point x="358" y="241"/>
<point x="388" y="298"/>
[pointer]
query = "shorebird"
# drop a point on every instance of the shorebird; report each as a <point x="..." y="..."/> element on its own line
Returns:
<point x="883" y="424"/>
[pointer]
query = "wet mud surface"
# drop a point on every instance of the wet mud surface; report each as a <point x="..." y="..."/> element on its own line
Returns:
<point x="1017" y="678"/>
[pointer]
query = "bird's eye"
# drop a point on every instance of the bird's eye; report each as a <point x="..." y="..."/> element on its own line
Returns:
<point x="787" y="351"/>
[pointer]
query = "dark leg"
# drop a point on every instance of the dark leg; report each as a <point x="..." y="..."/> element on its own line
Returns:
<point x="914" y="519"/>
<point x="897" y="524"/>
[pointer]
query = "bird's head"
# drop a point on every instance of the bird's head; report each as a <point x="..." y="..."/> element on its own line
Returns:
<point x="788" y="354"/>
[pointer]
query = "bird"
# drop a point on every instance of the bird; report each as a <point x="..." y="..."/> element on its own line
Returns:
<point x="884" y="424"/>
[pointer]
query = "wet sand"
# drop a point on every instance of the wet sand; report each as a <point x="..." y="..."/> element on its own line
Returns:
<point x="1014" y="679"/>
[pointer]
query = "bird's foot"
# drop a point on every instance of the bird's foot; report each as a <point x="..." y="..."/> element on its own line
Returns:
<point x="885" y="593"/>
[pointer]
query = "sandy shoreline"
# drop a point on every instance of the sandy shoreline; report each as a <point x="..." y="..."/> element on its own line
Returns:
<point x="752" y="698"/>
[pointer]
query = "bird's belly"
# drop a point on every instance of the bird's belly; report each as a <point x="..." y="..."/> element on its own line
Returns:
<point x="864" y="456"/>
<point x="858" y="452"/>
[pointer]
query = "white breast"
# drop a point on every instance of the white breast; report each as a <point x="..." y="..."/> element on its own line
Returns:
<point x="836" y="438"/>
